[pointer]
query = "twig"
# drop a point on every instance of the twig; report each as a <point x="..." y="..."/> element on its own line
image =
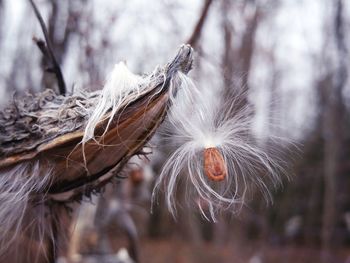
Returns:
<point x="47" y="50"/>
<point x="198" y="28"/>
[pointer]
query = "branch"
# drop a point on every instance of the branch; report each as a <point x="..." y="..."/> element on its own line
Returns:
<point x="198" y="28"/>
<point x="47" y="50"/>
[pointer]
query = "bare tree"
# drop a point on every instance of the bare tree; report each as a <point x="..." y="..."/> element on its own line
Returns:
<point x="236" y="61"/>
<point x="333" y="119"/>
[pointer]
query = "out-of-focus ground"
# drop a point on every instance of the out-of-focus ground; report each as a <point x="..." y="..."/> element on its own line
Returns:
<point x="158" y="251"/>
<point x="179" y="250"/>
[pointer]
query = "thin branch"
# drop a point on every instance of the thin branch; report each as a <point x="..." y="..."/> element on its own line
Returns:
<point x="49" y="51"/>
<point x="193" y="40"/>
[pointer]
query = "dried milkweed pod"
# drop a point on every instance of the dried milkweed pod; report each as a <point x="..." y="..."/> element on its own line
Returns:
<point x="215" y="167"/>
<point x="57" y="149"/>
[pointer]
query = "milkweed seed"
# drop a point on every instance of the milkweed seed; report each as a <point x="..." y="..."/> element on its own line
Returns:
<point x="215" y="167"/>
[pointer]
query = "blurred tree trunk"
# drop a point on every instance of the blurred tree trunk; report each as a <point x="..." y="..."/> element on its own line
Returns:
<point x="236" y="62"/>
<point x="1" y="17"/>
<point x="59" y="31"/>
<point x="195" y="36"/>
<point x="333" y="119"/>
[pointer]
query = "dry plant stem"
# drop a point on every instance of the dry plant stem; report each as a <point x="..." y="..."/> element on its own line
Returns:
<point x="47" y="50"/>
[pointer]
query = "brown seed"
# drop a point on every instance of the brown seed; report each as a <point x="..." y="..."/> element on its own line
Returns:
<point x="214" y="164"/>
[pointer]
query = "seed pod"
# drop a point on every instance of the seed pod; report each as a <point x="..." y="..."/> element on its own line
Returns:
<point x="214" y="164"/>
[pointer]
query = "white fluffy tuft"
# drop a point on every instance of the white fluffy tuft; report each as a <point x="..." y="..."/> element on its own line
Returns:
<point x="22" y="209"/>
<point x="120" y="83"/>
<point x="199" y="122"/>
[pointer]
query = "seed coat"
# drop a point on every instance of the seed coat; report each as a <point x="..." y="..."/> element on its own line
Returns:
<point x="215" y="167"/>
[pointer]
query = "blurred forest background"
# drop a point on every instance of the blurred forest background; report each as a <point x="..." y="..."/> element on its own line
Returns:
<point x="290" y="56"/>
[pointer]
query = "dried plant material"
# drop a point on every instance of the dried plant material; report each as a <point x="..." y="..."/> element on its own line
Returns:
<point x="120" y="85"/>
<point x="214" y="164"/>
<point x="56" y="149"/>
<point x="20" y="209"/>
